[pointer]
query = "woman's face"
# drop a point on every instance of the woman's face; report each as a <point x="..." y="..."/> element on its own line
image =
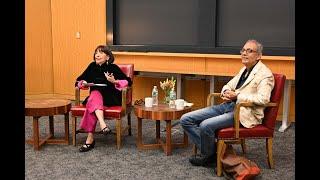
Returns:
<point x="100" y="57"/>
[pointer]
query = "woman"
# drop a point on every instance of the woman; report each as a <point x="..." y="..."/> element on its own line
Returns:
<point x="102" y="71"/>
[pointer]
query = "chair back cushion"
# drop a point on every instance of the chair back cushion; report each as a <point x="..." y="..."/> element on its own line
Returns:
<point x="270" y="113"/>
<point x="128" y="69"/>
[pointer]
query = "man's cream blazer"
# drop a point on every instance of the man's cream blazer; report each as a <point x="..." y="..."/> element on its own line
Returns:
<point x="256" y="89"/>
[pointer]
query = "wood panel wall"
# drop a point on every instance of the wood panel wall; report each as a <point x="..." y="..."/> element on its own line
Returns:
<point x="38" y="47"/>
<point x="70" y="54"/>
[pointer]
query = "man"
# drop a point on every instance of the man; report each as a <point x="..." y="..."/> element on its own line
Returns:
<point x="253" y="83"/>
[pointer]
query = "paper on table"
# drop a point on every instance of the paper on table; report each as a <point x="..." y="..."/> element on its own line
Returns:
<point x="187" y="104"/>
<point x="93" y="84"/>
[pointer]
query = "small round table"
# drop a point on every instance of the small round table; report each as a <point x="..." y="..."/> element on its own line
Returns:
<point x="47" y="107"/>
<point x="162" y="112"/>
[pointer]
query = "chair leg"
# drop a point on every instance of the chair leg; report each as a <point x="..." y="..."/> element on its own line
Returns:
<point x="74" y="125"/>
<point x="194" y="149"/>
<point x="129" y="124"/>
<point x="119" y="129"/>
<point x="219" y="153"/>
<point x="269" y="152"/>
<point x="243" y="145"/>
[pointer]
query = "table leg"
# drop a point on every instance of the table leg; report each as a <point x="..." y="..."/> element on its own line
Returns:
<point x="168" y="138"/>
<point x="157" y="131"/>
<point x="36" y="133"/>
<point x="74" y="124"/>
<point x="286" y="106"/>
<point x="66" y="127"/>
<point x="51" y="126"/>
<point x="139" y="140"/>
<point x="185" y="139"/>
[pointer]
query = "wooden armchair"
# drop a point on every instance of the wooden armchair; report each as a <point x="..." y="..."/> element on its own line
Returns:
<point x="110" y="113"/>
<point x="265" y="130"/>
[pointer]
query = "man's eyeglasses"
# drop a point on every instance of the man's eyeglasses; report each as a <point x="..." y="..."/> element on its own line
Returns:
<point x="248" y="51"/>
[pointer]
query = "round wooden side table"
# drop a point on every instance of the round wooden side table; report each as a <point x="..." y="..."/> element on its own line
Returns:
<point x="162" y="112"/>
<point x="47" y="107"/>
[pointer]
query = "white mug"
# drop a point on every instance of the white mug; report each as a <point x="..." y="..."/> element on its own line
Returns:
<point x="148" y="102"/>
<point x="179" y="104"/>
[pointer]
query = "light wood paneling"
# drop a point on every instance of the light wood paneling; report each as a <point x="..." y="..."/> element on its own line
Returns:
<point x="196" y="91"/>
<point x="203" y="64"/>
<point x="173" y="64"/>
<point x="222" y="67"/>
<point x="72" y="55"/>
<point x="282" y="67"/>
<point x="38" y="47"/>
<point x="142" y="87"/>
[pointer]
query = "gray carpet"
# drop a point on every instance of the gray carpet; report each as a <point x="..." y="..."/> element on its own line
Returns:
<point x="106" y="162"/>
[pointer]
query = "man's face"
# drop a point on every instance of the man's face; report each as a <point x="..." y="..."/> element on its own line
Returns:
<point x="249" y="54"/>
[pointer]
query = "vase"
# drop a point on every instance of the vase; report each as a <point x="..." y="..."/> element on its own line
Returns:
<point x="166" y="97"/>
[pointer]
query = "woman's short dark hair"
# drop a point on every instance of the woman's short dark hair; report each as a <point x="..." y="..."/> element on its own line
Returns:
<point x="106" y="50"/>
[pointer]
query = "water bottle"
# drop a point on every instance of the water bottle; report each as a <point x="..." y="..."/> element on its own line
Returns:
<point x="173" y="97"/>
<point x="155" y="96"/>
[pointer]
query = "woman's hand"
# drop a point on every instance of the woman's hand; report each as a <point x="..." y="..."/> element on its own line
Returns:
<point x="110" y="77"/>
<point x="83" y="85"/>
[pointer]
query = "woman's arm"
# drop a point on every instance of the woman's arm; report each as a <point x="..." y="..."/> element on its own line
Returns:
<point x="85" y="76"/>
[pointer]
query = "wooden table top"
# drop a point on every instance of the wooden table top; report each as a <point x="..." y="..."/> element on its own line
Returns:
<point x="160" y="112"/>
<point x="46" y="107"/>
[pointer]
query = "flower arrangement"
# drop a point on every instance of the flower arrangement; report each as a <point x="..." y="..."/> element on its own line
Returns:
<point x="166" y="86"/>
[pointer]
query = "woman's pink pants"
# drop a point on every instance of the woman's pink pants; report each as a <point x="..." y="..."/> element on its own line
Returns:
<point x="89" y="119"/>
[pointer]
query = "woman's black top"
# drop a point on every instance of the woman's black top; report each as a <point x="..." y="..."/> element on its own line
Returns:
<point x="95" y="74"/>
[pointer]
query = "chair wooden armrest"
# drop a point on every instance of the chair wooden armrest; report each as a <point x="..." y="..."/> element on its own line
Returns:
<point x="271" y="104"/>
<point x="124" y="99"/>
<point x="237" y="114"/>
<point x="210" y="96"/>
<point x="77" y="96"/>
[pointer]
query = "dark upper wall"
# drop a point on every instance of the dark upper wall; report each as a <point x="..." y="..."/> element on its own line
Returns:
<point x="204" y="26"/>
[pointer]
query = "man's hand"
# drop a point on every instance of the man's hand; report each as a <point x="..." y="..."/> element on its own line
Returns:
<point x="229" y="95"/>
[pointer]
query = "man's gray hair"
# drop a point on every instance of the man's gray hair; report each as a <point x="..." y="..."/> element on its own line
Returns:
<point x="259" y="45"/>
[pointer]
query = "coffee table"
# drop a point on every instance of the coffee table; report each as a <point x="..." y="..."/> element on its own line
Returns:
<point x="162" y="112"/>
<point x="47" y="107"/>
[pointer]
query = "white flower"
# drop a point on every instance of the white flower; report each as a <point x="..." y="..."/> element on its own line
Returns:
<point x="167" y="85"/>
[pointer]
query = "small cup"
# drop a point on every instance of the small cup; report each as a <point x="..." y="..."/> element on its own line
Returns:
<point x="179" y="104"/>
<point x="148" y="102"/>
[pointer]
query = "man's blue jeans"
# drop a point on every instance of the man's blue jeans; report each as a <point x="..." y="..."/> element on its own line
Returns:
<point x="201" y="124"/>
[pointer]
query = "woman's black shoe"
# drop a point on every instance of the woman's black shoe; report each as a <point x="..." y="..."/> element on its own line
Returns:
<point x="105" y="131"/>
<point x="87" y="147"/>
